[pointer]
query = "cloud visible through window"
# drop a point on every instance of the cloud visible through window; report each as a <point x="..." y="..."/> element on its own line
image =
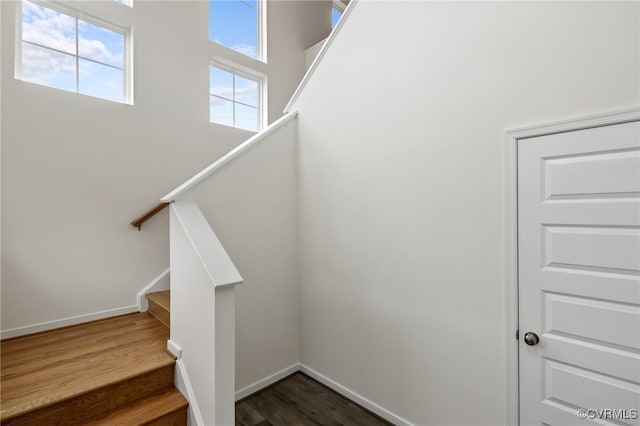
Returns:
<point x="234" y="24"/>
<point x="245" y="49"/>
<point x="234" y="100"/>
<point x="61" y="51"/>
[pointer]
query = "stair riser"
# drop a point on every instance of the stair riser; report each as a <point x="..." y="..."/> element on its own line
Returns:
<point x="98" y="401"/>
<point x="160" y="313"/>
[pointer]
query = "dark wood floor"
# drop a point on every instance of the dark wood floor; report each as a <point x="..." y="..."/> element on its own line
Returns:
<point x="300" y="400"/>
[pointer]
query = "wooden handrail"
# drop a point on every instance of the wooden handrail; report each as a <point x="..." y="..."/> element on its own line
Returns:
<point x="148" y="215"/>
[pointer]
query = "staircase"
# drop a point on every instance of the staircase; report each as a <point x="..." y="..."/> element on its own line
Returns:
<point x="109" y="372"/>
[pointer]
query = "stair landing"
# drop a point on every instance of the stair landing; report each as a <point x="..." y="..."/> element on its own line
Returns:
<point x="90" y="373"/>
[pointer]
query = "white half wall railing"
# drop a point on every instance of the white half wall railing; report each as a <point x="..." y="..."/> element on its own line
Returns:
<point x="318" y="52"/>
<point x="203" y="280"/>
<point x="203" y="174"/>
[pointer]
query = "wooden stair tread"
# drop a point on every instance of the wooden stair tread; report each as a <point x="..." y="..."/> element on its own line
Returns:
<point x="85" y="346"/>
<point x="45" y="369"/>
<point x="161" y="298"/>
<point x="38" y="390"/>
<point x="144" y="411"/>
<point x="48" y="339"/>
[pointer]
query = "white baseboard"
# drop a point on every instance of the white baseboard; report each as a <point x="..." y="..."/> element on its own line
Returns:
<point x="369" y="405"/>
<point x="183" y="384"/>
<point x="267" y="381"/>
<point x="65" y="322"/>
<point x="174" y="349"/>
<point x="159" y="283"/>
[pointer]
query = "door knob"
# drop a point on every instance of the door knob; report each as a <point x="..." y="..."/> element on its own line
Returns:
<point x="531" y="339"/>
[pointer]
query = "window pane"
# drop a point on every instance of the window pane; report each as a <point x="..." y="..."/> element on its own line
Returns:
<point x="221" y="111"/>
<point x="101" y="44"/>
<point x="48" y="28"/>
<point x="234" y="23"/>
<point x="220" y="83"/>
<point x="251" y="3"/>
<point x="247" y="91"/>
<point x="49" y="56"/>
<point x="335" y="17"/>
<point x="101" y="81"/>
<point x="247" y="118"/>
<point x="48" y="67"/>
<point x="234" y="100"/>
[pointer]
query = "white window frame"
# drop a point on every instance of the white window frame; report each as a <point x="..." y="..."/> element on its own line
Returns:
<point x="125" y="2"/>
<point x="261" y="32"/>
<point x="113" y="16"/>
<point x="339" y="5"/>
<point x="245" y="72"/>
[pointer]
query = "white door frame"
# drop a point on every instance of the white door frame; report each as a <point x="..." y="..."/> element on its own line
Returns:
<point x="512" y="136"/>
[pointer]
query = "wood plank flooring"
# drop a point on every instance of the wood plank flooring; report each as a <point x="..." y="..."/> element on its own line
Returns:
<point x="300" y="400"/>
<point x="84" y="370"/>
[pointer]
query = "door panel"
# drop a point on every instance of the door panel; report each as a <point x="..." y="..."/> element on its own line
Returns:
<point x="608" y="174"/>
<point x="579" y="274"/>
<point x="562" y="382"/>
<point x="612" y="361"/>
<point x="553" y="413"/>
<point x="610" y="286"/>
<point x="611" y="249"/>
<point x="590" y="319"/>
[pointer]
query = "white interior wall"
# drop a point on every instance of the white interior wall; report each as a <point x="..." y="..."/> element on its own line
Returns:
<point x="401" y="177"/>
<point x="76" y="170"/>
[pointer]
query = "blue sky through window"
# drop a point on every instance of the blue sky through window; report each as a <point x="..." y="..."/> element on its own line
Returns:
<point x="234" y="24"/>
<point x="66" y="53"/>
<point x="234" y="100"/>
<point x="335" y="17"/>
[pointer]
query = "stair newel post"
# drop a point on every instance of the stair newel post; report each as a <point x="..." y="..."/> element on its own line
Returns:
<point x="203" y="280"/>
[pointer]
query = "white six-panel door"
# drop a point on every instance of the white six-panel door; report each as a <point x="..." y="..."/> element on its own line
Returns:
<point x="579" y="276"/>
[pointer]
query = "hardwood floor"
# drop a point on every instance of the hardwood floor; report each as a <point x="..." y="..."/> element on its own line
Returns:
<point x="117" y="372"/>
<point x="84" y="373"/>
<point x="300" y="400"/>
